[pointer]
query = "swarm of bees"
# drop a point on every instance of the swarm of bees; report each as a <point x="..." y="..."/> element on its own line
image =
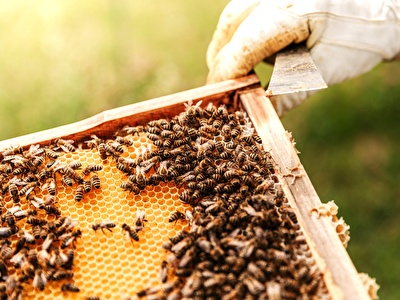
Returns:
<point x="244" y="241"/>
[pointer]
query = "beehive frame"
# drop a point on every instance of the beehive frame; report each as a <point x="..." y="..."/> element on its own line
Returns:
<point x="340" y="275"/>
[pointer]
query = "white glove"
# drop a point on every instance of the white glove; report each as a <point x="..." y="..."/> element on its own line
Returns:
<point x="346" y="38"/>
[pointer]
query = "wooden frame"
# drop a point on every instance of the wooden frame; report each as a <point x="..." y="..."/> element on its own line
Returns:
<point x="340" y="275"/>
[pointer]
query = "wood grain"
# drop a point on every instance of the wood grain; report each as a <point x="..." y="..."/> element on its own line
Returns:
<point x="340" y="275"/>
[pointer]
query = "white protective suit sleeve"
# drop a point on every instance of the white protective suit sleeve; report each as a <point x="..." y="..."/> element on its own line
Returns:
<point x="346" y="38"/>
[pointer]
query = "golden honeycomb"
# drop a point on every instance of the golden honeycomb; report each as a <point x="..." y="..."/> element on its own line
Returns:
<point x="242" y="239"/>
<point x="108" y="265"/>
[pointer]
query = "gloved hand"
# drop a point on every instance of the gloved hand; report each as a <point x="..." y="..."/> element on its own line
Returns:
<point x="346" y="38"/>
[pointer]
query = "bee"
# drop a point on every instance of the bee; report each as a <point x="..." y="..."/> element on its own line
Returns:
<point x="27" y="189"/>
<point x="139" y="222"/>
<point x="123" y="140"/>
<point x="91" y="168"/>
<point x="304" y="275"/>
<point x="167" y="245"/>
<point x="37" y="161"/>
<point x="175" y="216"/>
<point x="292" y="216"/>
<point x="123" y="167"/>
<point x="87" y="186"/>
<point x="32" y="258"/>
<point x="257" y="138"/>
<point x="48" y="241"/>
<point x="215" y="279"/>
<point x="217" y="124"/>
<point x="69" y="287"/>
<point x="154" y="179"/>
<point x="79" y="192"/>
<point x="167" y="143"/>
<point x="179" y="237"/>
<point x="225" y="155"/>
<point x="130" y="233"/>
<point x="126" y="130"/>
<point x="70" y="255"/>
<point x="226" y="129"/>
<point x="186" y="196"/>
<point x="51" y="186"/>
<point x="3" y="269"/>
<point x="222" y="112"/>
<point x="235" y="133"/>
<point x="13" y="191"/>
<point x="164" y="271"/>
<point x="166" y="134"/>
<point x="62" y="274"/>
<point x="39" y="280"/>
<point x="116" y="147"/>
<point x="13" y="151"/>
<point x="52" y="210"/>
<point x="19" y="245"/>
<point x="10" y="219"/>
<point x="51" y="154"/>
<point x="192" y="112"/>
<point x="95" y="181"/>
<point x="254" y="286"/>
<point x="71" y="172"/>
<point x="256" y="272"/>
<point x="92" y="298"/>
<point x="210" y="110"/>
<point x="254" y="156"/>
<point x="75" y="165"/>
<point x="131" y="187"/>
<point x="103" y="225"/>
<point x="6" y="250"/>
<point x="65" y="145"/>
<point x="247" y="138"/>
<point x="154" y="130"/>
<point x="140" y="177"/>
<point x="153" y="137"/>
<point x="230" y="174"/>
<point x="67" y="180"/>
<point x="70" y="239"/>
<point x="102" y="150"/>
<point x="21" y="214"/>
<point x="19" y="171"/>
<point x="36" y="231"/>
<point x="154" y="123"/>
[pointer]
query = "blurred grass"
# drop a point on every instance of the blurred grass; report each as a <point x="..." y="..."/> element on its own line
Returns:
<point x="62" y="61"/>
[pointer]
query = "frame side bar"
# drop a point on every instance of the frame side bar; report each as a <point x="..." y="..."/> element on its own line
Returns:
<point x="340" y="274"/>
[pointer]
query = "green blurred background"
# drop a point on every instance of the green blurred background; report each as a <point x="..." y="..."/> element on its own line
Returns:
<point x="62" y="61"/>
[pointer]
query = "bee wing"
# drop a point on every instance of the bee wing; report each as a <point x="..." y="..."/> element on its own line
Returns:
<point x="188" y="104"/>
<point x="45" y="186"/>
<point x="198" y="104"/>
<point x="140" y="214"/>
<point x="72" y="225"/>
<point x="65" y="148"/>
<point x="37" y="202"/>
<point x="34" y="148"/>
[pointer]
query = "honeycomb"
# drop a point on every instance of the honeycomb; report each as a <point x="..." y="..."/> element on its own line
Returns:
<point x="206" y="215"/>
<point x="105" y="261"/>
<point x="330" y="209"/>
